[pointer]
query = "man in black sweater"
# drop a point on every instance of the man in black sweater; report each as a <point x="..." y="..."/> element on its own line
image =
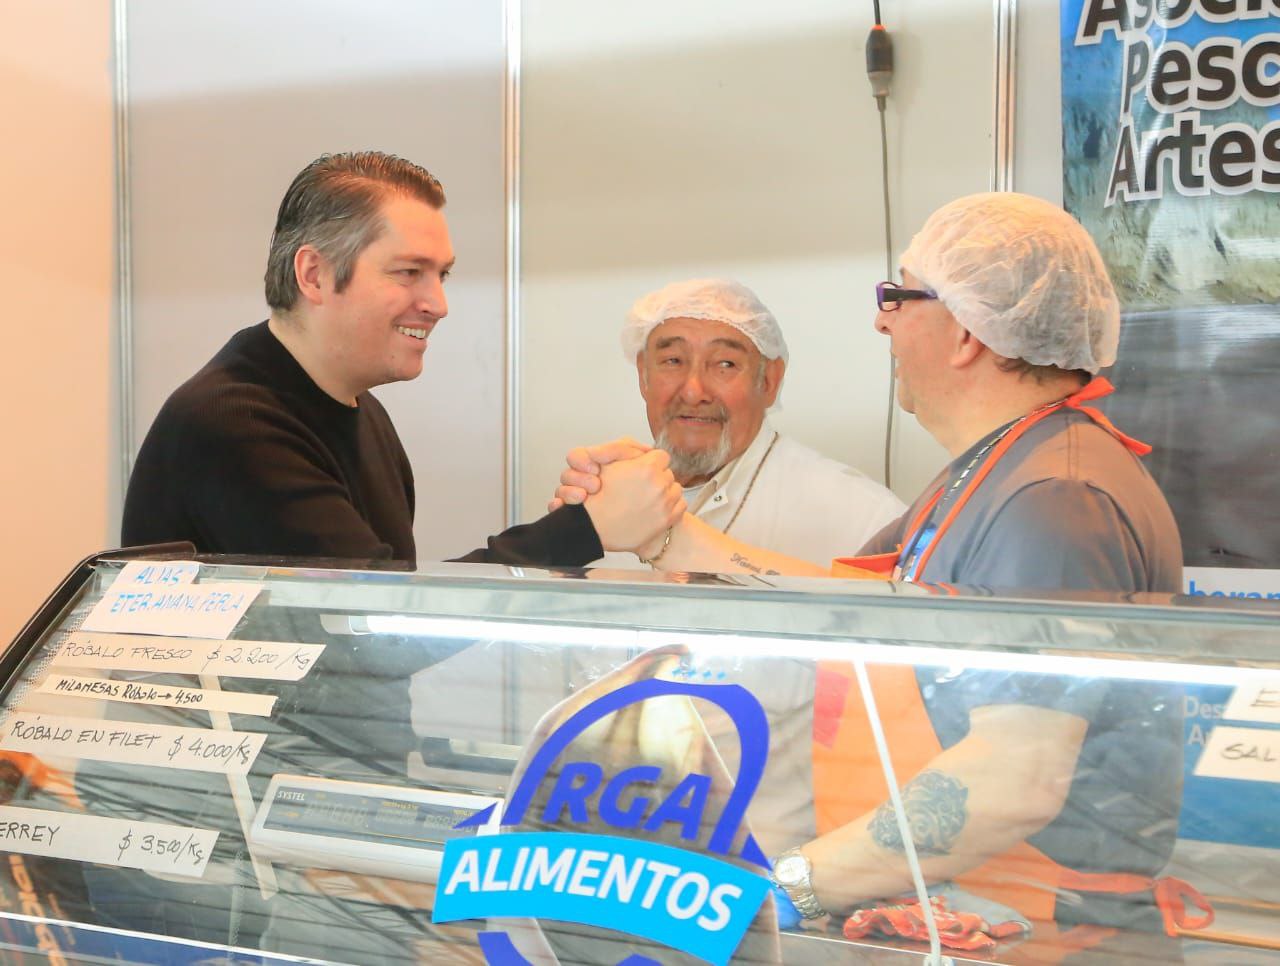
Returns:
<point x="276" y="447"/>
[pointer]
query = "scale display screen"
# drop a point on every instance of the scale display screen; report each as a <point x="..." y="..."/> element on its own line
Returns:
<point x="366" y="818"/>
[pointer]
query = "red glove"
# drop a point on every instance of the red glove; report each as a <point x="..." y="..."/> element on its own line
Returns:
<point x="957" y="930"/>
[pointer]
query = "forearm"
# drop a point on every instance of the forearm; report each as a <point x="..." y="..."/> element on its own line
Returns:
<point x="866" y="859"/>
<point x="697" y="547"/>
<point x="562" y="538"/>
<point x="975" y="801"/>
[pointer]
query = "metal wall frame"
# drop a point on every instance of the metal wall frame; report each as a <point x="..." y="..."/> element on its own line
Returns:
<point x="1006" y="77"/>
<point x="511" y="21"/>
<point x="124" y="242"/>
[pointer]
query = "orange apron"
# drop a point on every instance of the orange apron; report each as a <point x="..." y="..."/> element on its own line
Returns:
<point x="848" y="779"/>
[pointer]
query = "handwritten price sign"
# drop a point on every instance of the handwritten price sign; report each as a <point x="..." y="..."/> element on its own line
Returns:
<point x="1252" y="754"/>
<point x="269" y="660"/>
<point x="132" y="743"/>
<point x="249" y="660"/>
<point x="168" y="696"/>
<point x="177" y="852"/>
<point x="148" y="573"/>
<point x="183" y="610"/>
<point x="152" y="846"/>
<point x="234" y="754"/>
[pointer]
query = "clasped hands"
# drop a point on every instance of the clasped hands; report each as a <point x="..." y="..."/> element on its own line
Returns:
<point x="628" y="491"/>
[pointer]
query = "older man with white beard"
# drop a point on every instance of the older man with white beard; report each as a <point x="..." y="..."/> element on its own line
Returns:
<point x="711" y="359"/>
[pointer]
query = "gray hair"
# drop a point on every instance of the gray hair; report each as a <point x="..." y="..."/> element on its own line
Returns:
<point x="335" y="206"/>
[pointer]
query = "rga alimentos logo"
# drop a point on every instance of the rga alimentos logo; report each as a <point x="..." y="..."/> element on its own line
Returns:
<point x="690" y="901"/>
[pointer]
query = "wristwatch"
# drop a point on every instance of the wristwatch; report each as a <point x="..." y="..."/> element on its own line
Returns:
<point x="791" y="873"/>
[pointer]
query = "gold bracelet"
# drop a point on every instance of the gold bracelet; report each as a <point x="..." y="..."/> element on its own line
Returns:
<point x="666" y="545"/>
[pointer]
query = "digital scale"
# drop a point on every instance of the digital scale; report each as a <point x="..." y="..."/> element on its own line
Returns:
<point x="362" y="827"/>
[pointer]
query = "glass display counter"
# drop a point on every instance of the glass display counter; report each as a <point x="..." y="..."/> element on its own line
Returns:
<point x="214" y="762"/>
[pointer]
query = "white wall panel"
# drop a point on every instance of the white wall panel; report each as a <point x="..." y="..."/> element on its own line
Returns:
<point x="228" y="101"/>
<point x="1038" y="117"/>
<point x="669" y="140"/>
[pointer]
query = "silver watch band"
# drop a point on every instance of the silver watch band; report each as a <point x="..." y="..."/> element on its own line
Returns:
<point x="801" y="892"/>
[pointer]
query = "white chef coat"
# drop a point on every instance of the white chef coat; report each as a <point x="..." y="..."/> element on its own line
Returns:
<point x="783" y="496"/>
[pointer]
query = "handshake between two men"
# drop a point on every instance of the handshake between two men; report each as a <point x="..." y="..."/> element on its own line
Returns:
<point x="636" y="505"/>
<point x="710" y="360"/>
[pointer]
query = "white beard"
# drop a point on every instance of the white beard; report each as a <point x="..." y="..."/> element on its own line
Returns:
<point x="691" y="464"/>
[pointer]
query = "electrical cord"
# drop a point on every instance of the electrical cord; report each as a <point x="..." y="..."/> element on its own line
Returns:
<point x="880" y="73"/>
<point x="892" y="407"/>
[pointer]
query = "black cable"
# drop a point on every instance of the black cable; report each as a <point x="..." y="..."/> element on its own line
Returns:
<point x="888" y="274"/>
<point x="880" y="72"/>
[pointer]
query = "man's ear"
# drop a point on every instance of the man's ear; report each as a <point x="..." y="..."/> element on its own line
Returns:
<point x="312" y="272"/>
<point x="966" y="348"/>
<point x="774" y="370"/>
<point x="640" y="370"/>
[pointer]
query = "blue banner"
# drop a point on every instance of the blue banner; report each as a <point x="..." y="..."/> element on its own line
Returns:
<point x="683" y="899"/>
<point x="1171" y="160"/>
<point x="1225" y="810"/>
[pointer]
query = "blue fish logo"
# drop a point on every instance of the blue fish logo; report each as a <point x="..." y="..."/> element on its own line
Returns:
<point x="692" y="901"/>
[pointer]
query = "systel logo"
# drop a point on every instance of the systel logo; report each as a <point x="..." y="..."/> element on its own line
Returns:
<point x="688" y="900"/>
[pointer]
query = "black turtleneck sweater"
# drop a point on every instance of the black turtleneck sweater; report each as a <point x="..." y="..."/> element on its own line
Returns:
<point x="250" y="456"/>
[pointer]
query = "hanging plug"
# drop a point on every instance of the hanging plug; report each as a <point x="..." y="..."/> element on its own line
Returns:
<point x="879" y="63"/>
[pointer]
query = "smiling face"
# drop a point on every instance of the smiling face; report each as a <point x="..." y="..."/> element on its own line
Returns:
<point x="918" y="334"/>
<point x="706" y="388"/>
<point x="375" y="330"/>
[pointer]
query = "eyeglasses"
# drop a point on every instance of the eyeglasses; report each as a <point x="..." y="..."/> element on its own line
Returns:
<point x="891" y="295"/>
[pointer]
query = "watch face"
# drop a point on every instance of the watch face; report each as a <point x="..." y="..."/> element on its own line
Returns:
<point x="791" y="869"/>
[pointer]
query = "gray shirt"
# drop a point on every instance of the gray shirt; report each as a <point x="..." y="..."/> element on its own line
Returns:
<point x="1067" y="508"/>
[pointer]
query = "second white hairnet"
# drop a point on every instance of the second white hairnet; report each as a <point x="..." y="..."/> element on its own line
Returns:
<point x="714" y="299"/>
<point x="1023" y="276"/>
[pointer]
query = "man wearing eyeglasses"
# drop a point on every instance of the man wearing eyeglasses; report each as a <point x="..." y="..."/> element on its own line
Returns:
<point x="1004" y="316"/>
<point x="1047" y="784"/>
<point x="711" y="359"/>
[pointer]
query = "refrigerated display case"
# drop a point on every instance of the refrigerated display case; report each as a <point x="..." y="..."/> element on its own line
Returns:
<point x="212" y="761"/>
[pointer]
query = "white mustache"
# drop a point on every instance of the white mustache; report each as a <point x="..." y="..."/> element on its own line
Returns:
<point x="719" y="414"/>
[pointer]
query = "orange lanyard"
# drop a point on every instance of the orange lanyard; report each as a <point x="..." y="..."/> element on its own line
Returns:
<point x="1096" y="388"/>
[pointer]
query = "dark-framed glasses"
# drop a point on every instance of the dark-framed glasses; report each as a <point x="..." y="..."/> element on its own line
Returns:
<point x="891" y="295"/>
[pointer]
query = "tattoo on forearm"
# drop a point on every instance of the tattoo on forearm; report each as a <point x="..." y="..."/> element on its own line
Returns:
<point x="755" y="568"/>
<point x="936" y="815"/>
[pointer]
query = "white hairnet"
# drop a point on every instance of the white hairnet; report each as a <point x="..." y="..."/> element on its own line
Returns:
<point x="714" y="299"/>
<point x="1023" y="276"/>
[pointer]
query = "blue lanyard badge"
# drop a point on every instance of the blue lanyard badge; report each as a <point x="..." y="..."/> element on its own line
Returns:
<point x="909" y="562"/>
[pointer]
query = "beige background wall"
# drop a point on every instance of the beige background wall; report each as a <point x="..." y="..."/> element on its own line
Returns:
<point x="214" y="145"/>
<point x="729" y="136"/>
<point x="1037" y="142"/>
<point x="56" y="270"/>
<point x="673" y="139"/>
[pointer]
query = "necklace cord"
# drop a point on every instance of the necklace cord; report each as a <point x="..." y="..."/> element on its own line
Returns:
<point x="752" y="482"/>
